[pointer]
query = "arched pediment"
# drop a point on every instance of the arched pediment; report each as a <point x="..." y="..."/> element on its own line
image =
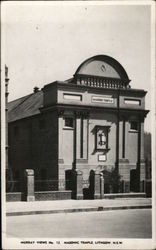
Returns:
<point x="104" y="66"/>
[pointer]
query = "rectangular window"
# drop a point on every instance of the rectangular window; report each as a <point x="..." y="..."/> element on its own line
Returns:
<point x="68" y="122"/>
<point x="133" y="126"/>
<point x="72" y="97"/>
<point x="132" y="101"/>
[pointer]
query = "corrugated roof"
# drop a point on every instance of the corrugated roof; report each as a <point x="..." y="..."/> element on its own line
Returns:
<point x="26" y="106"/>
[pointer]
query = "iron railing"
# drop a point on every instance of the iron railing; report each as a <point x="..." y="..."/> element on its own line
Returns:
<point x="39" y="185"/>
<point x="51" y="185"/>
<point x="13" y="186"/>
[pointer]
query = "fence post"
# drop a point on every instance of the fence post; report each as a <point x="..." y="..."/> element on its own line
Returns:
<point x="79" y="185"/>
<point x="29" y="185"/>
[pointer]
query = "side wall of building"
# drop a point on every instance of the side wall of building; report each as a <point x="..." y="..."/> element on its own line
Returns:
<point x="33" y="144"/>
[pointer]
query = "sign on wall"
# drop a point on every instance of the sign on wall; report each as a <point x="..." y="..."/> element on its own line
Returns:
<point x="101" y="157"/>
<point x="103" y="99"/>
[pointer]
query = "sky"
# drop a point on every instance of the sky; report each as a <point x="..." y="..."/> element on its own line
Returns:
<point x="44" y="42"/>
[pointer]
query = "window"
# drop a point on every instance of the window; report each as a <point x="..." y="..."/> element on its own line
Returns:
<point x="73" y="97"/>
<point x="132" y="101"/>
<point x="68" y="122"/>
<point x="134" y="126"/>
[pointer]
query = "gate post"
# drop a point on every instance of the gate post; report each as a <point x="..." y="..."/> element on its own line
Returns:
<point x="101" y="186"/>
<point x="78" y="185"/>
<point x="97" y="194"/>
<point x="29" y="194"/>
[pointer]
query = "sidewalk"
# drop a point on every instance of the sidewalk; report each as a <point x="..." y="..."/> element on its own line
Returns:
<point x="68" y="206"/>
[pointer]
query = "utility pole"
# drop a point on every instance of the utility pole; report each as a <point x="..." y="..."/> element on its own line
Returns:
<point x="6" y="115"/>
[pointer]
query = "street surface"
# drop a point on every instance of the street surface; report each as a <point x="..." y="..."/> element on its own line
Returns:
<point x="135" y="223"/>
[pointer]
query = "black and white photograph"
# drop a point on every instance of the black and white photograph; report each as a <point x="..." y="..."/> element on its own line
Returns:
<point x="78" y="124"/>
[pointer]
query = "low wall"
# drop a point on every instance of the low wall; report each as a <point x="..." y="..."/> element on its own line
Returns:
<point x="16" y="196"/>
<point x="52" y="195"/>
<point x="125" y="195"/>
<point x="41" y="196"/>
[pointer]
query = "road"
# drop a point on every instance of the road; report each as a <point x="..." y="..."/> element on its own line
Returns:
<point x="109" y="224"/>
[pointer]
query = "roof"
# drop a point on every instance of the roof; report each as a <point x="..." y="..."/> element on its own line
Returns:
<point x="26" y="106"/>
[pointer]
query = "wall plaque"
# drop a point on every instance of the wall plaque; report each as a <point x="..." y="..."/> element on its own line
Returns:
<point x="101" y="157"/>
<point x="103" y="99"/>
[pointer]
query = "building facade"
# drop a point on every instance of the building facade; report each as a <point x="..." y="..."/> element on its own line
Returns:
<point x="91" y="125"/>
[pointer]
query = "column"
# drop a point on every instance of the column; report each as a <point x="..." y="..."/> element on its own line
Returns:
<point x="120" y="139"/>
<point x="60" y="135"/>
<point x="138" y="156"/>
<point x="122" y="133"/>
<point x="61" y="172"/>
<point x="142" y="160"/>
<point x="75" y="141"/>
<point x="81" y="137"/>
<point x="78" y="137"/>
<point x="85" y="138"/>
<point x="124" y="166"/>
<point x="142" y="140"/>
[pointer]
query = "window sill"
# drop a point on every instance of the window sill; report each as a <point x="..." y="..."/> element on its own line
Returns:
<point x="133" y="131"/>
<point x="68" y="128"/>
<point x="82" y="160"/>
<point x="102" y="149"/>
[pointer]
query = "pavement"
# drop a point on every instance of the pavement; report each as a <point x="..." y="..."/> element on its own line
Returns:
<point x="70" y="206"/>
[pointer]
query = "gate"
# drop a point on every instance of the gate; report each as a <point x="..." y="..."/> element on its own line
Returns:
<point x="133" y="180"/>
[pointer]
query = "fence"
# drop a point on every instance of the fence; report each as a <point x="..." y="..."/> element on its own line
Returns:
<point x="51" y="185"/>
<point x="40" y="185"/>
<point x="13" y="186"/>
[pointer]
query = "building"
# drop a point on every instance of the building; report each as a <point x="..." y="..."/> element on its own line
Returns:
<point x="91" y="125"/>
